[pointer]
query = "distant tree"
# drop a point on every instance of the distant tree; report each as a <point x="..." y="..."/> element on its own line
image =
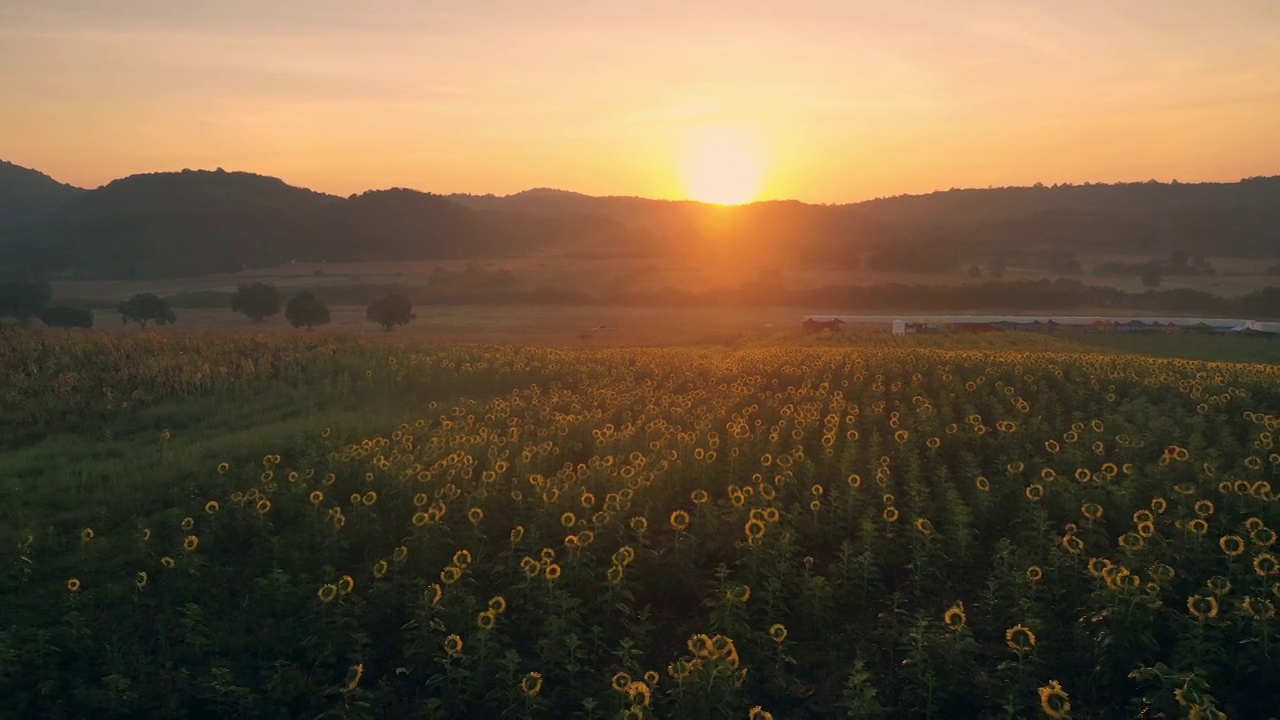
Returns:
<point x="67" y="317"/>
<point x="975" y="271"/>
<point x="1151" y="278"/>
<point x="305" y="309"/>
<point x="392" y="310"/>
<point x="22" y="299"/>
<point x="997" y="268"/>
<point x="145" y="307"/>
<point x="257" y="301"/>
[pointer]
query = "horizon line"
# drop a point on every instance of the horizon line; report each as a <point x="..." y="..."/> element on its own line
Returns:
<point x="547" y="188"/>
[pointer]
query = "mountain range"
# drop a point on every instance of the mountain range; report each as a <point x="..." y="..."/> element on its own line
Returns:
<point x="195" y="222"/>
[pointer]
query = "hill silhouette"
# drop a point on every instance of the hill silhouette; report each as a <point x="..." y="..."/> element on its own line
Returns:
<point x="1241" y="218"/>
<point x="197" y="222"/>
<point x="26" y="195"/>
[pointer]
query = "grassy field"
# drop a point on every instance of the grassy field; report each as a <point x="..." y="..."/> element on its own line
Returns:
<point x="234" y="524"/>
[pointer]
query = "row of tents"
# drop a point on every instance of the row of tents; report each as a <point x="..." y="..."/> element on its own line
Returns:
<point x="900" y="325"/>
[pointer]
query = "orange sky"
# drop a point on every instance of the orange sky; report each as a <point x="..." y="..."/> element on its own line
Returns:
<point x="842" y="99"/>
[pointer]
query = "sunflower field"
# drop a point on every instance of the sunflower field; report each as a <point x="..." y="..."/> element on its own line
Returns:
<point x="261" y="526"/>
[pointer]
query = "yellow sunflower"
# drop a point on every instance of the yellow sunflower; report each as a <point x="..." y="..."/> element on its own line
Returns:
<point x="1054" y="701"/>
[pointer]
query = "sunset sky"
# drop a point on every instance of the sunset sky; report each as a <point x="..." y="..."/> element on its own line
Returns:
<point x="828" y="101"/>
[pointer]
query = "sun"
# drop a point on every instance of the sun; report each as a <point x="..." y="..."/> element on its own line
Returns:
<point x="722" y="165"/>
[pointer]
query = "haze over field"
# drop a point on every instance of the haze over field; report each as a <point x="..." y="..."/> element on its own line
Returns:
<point x="719" y="101"/>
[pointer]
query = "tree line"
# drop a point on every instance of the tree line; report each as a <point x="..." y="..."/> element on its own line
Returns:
<point x="29" y="295"/>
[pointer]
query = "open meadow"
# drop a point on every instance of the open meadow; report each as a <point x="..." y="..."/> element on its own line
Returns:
<point x="311" y="525"/>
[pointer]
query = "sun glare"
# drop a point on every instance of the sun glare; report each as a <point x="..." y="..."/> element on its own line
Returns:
<point x="722" y="165"/>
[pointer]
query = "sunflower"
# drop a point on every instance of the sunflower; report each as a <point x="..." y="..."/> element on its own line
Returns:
<point x="140" y="580"/>
<point x="982" y="483"/>
<point x="1184" y="488"/>
<point x="700" y="645"/>
<point x="1072" y="544"/>
<point x="73" y="585"/>
<point x="327" y="592"/>
<point x="450" y="575"/>
<point x="1162" y="572"/>
<point x="620" y="681"/>
<point x="778" y="632"/>
<point x="759" y="713"/>
<point x="1083" y="474"/>
<point x="771" y="514"/>
<point x="475" y="515"/>
<point x="624" y="555"/>
<point x="1266" y="537"/>
<point x="223" y="468"/>
<point x="1266" y="564"/>
<point x="188" y="523"/>
<point x="400" y="553"/>
<point x="1092" y="510"/>
<point x="699" y="497"/>
<point x="1146" y="530"/>
<point x="380" y="568"/>
<point x="263" y="506"/>
<point x="1232" y="545"/>
<point x="1159" y="505"/>
<point x="168" y="562"/>
<point x="1054" y="701"/>
<point x="738" y="593"/>
<point x="552" y="572"/>
<point x="615" y="574"/>
<point x="1098" y="566"/>
<point x="1203" y="607"/>
<point x="1197" y="526"/>
<point x="462" y="558"/>
<point x="1034" y="574"/>
<point x="1204" y="508"/>
<point x="1132" y="541"/>
<point x="955" y="618"/>
<point x="453" y="645"/>
<point x="1254" y="607"/>
<point x="353" y="676"/>
<point x="486" y="620"/>
<point x="1034" y="492"/>
<point x="679" y="520"/>
<point x="531" y="684"/>
<point x="1019" y="638"/>
<point x="433" y="594"/>
<point x="346" y="584"/>
<point x="1218" y="585"/>
<point x="190" y="543"/>
<point x="530" y="567"/>
<point x="1052" y="445"/>
<point x="890" y="514"/>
